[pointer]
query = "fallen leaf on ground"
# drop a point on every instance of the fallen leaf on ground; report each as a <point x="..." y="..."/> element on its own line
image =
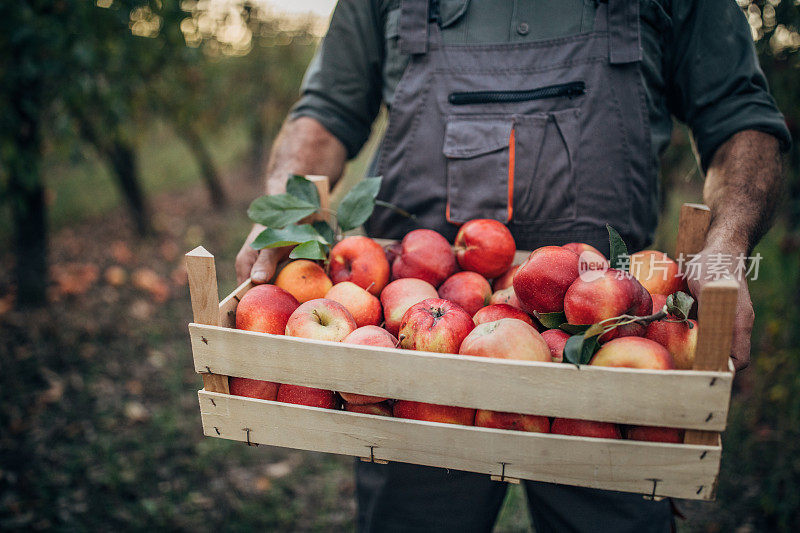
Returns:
<point x="115" y="275"/>
<point x="121" y="252"/>
<point x="74" y="278"/>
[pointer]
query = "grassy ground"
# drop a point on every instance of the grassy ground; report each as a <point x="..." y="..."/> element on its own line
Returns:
<point x="98" y="410"/>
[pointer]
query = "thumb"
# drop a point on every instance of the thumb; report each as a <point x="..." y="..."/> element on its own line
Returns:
<point x="264" y="267"/>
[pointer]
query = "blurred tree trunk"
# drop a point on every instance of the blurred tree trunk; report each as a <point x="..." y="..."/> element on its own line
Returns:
<point x="258" y="143"/>
<point x="26" y="195"/>
<point x="121" y="156"/>
<point x="208" y="170"/>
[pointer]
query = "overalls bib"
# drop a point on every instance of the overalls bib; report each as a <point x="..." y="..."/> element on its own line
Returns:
<point x="549" y="137"/>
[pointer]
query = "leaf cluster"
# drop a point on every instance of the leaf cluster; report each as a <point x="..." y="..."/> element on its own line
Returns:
<point x="280" y="213"/>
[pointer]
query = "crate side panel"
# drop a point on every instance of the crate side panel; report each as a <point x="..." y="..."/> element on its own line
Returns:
<point x="683" y="471"/>
<point x="686" y="399"/>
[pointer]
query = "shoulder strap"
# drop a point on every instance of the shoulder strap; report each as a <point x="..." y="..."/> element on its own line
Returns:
<point x="624" y="35"/>
<point x="414" y="17"/>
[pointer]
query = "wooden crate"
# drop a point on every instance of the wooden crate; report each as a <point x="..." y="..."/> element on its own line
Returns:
<point x="696" y="400"/>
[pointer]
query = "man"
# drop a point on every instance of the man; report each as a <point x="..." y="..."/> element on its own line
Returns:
<point x="549" y="116"/>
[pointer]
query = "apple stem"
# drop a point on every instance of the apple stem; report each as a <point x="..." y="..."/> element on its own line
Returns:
<point x="370" y="286"/>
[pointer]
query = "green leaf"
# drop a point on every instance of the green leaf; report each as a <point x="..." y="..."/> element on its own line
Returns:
<point x="325" y="230"/>
<point x="279" y="210"/>
<point x="574" y="329"/>
<point x="550" y="320"/>
<point x="357" y="205"/>
<point x="308" y="250"/>
<point x="618" y="256"/>
<point x="679" y="304"/>
<point x="303" y="189"/>
<point x="579" y="349"/>
<point x="288" y="236"/>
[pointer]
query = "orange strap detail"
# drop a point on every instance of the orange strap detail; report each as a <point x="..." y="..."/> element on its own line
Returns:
<point x="511" y="163"/>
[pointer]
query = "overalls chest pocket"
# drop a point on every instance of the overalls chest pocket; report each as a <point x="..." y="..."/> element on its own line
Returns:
<point x="478" y="156"/>
<point x="514" y="167"/>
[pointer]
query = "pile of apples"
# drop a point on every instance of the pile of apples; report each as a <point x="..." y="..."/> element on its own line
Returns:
<point x="424" y="294"/>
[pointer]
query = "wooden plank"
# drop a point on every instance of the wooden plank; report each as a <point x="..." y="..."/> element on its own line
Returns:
<point x="683" y="471"/>
<point x="692" y="228"/>
<point x="227" y="307"/>
<point x="686" y="399"/>
<point x="204" y="294"/>
<point x="715" y="316"/>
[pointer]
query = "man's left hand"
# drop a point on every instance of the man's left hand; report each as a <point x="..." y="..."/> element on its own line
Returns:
<point x="709" y="268"/>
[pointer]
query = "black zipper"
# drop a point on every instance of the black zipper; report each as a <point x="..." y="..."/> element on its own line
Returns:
<point x="568" y="90"/>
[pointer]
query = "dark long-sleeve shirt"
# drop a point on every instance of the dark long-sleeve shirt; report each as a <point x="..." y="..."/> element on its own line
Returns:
<point x="699" y="63"/>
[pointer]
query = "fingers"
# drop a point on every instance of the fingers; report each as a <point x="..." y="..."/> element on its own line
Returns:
<point x="742" y="330"/>
<point x="244" y="262"/>
<point x="263" y="267"/>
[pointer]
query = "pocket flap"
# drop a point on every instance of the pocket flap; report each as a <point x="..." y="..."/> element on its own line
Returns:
<point x="472" y="137"/>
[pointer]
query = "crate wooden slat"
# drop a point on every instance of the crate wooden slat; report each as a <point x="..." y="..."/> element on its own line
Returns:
<point x="682" y="471"/>
<point x="688" y="399"/>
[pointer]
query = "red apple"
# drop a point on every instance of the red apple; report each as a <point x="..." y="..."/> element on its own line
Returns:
<point x="435" y="325"/>
<point x="613" y="294"/>
<point x="655" y="434"/>
<point x="365" y="308"/>
<point x="367" y="336"/>
<point x="580" y="247"/>
<point x="506" y="296"/>
<point x="265" y="308"/>
<point x="446" y="414"/>
<point x="513" y="421"/>
<point x="679" y="338"/>
<point x="426" y="255"/>
<point x="470" y="290"/>
<point x="657" y="272"/>
<point x="380" y="409"/>
<point x="591" y="263"/>
<point x="493" y="312"/>
<point x="543" y="279"/>
<point x="633" y="352"/>
<point x="485" y="246"/>
<point x="360" y="260"/>
<point x="306" y="396"/>
<point x="506" y="280"/>
<point x="507" y="338"/>
<point x="585" y="428"/>
<point x="401" y="294"/>
<point x="556" y="339"/>
<point x="371" y="336"/>
<point x="253" y="388"/>
<point x="321" y="319"/>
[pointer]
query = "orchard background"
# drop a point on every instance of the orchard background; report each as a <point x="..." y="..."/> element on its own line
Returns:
<point x="134" y="130"/>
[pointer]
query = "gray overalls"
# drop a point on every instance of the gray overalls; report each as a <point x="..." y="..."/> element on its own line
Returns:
<point x="551" y="138"/>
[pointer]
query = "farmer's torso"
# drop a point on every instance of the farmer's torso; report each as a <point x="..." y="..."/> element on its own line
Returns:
<point x="551" y="136"/>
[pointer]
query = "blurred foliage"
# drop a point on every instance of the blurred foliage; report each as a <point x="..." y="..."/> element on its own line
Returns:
<point x="79" y="73"/>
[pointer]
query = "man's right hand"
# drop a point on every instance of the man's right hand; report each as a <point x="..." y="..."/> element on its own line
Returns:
<point x="257" y="265"/>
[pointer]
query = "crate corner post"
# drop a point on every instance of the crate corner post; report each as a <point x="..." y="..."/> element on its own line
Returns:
<point x="715" y="317"/>
<point x="202" y="274"/>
